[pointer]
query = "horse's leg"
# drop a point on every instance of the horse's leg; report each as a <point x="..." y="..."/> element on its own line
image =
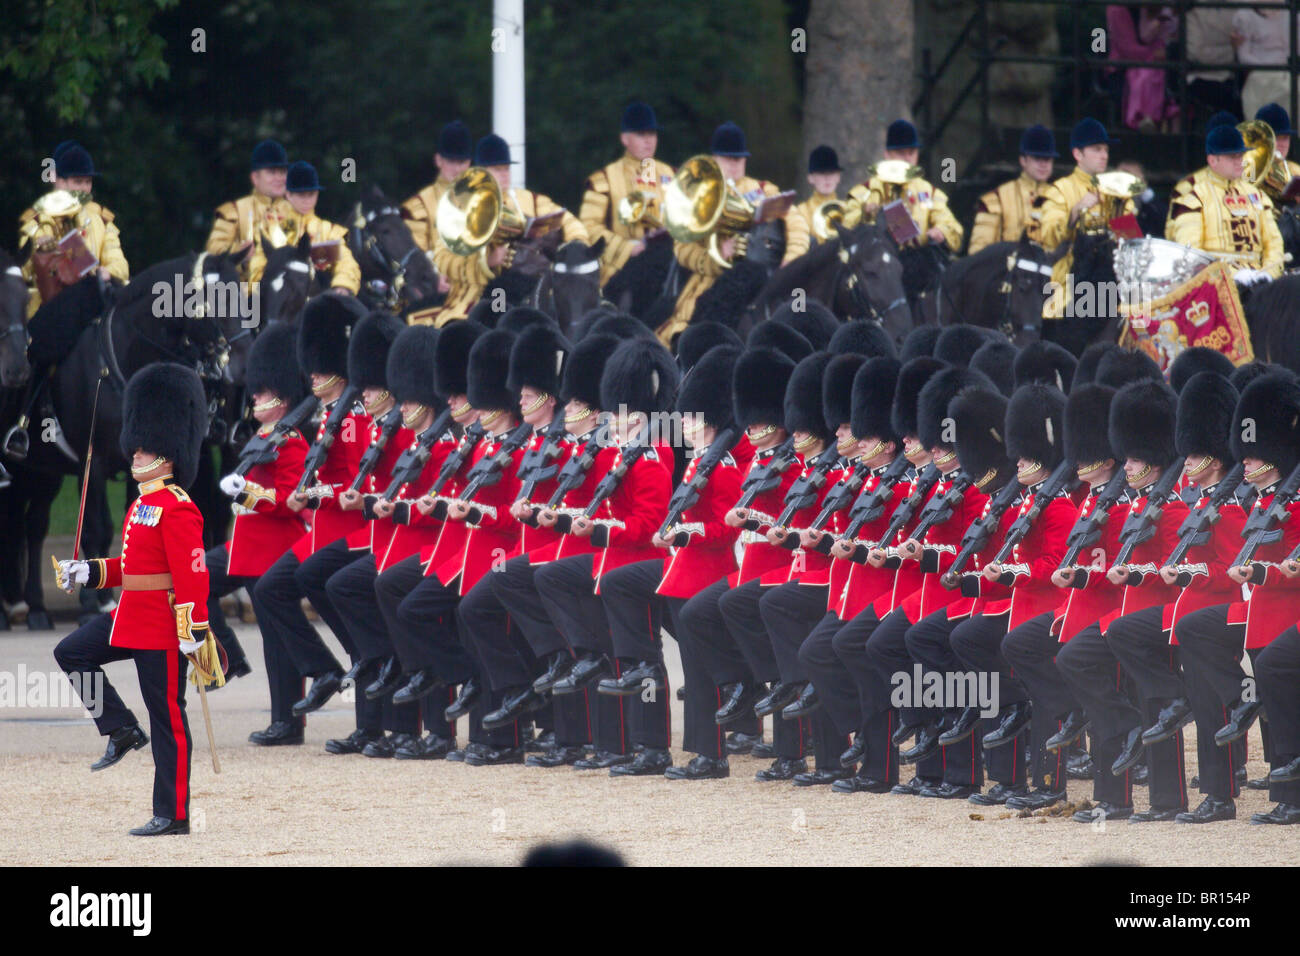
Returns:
<point x="36" y="527"/>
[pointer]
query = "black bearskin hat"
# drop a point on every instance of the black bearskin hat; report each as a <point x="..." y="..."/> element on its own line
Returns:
<point x="273" y="364"/>
<point x="803" y="396"/>
<point x="1123" y="366"/>
<point x="758" y="386"/>
<point x="920" y="341"/>
<point x="1047" y="363"/>
<point x="873" y="394"/>
<point x="698" y="338"/>
<point x="837" y="389"/>
<point x="489" y="371"/>
<point x="814" y="322"/>
<point x="1087" y="420"/>
<point x="165" y="413"/>
<point x="451" y="357"/>
<point x="1198" y="359"/>
<point x="585" y="366"/>
<point x="1204" y="425"/>
<point x="957" y="343"/>
<point x="537" y="359"/>
<point x="782" y="337"/>
<point x="1035" y="424"/>
<point x="323" y="333"/>
<point x="911" y="379"/>
<point x="521" y="317"/>
<point x="1142" y="418"/>
<point x="978" y="414"/>
<point x="1271" y="404"/>
<point x="368" y="349"/>
<point x="641" y="376"/>
<point x="932" y="404"/>
<point x="1085" y="370"/>
<point x="411" y="364"/>
<point x="996" y="358"/>
<point x="1243" y="375"/>
<point x="862" y="337"/>
<point x="706" y="388"/>
<point x="620" y="324"/>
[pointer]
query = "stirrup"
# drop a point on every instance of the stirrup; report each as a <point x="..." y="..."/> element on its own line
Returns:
<point x="17" y="443"/>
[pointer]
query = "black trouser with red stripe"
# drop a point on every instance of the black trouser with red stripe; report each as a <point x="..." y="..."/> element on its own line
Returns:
<point x="82" y="656"/>
<point x="1142" y="647"/>
<point x="514" y="585"/>
<point x="790" y="612"/>
<point x="714" y="660"/>
<point x="1210" y="649"/>
<point x="877" y="717"/>
<point x="744" y="624"/>
<point x="887" y="651"/>
<point x="390" y="588"/>
<point x="1098" y="681"/>
<point x="1031" y="649"/>
<point x="220" y="583"/>
<point x="635" y="615"/>
<point x="1277" y="673"/>
<point x="567" y="592"/>
<point x="977" y="644"/>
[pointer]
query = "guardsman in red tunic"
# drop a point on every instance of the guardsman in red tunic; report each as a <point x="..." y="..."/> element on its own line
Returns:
<point x="161" y="622"/>
<point x="292" y="648"/>
<point x="701" y="550"/>
<point x="1142" y="418"/>
<point x="639" y="381"/>
<point x="1211" y="641"/>
<point x="264" y="527"/>
<point x="515" y="584"/>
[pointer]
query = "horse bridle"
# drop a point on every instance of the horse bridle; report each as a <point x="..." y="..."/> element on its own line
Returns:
<point x="1015" y="262"/>
<point x="857" y="290"/>
<point x="396" y="268"/>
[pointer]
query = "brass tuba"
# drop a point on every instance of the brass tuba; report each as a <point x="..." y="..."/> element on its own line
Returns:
<point x="472" y="213"/>
<point x="699" y="202"/>
<point x="1263" y="165"/>
<point x="825" y="217"/>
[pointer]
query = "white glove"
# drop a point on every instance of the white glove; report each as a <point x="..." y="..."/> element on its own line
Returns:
<point x="232" y="485"/>
<point x="72" y="573"/>
<point x="190" y="647"/>
<point x="1250" y="276"/>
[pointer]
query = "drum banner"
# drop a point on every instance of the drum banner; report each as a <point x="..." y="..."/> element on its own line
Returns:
<point x="1205" y="310"/>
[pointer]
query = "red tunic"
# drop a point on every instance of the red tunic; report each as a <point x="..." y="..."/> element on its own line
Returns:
<point x="863" y="583"/>
<point x="1207" y="566"/>
<point x="374" y="535"/>
<point x="1034" y="560"/>
<point x="638" y="506"/>
<point x="812" y="567"/>
<point x="162" y="534"/>
<point x="576" y="500"/>
<point x="267" y="527"/>
<point x="421" y="531"/>
<point x="941" y="545"/>
<point x="907" y="576"/>
<point x="495" y="539"/>
<point x="1097" y="597"/>
<point x="710" y="551"/>
<point x="329" y="522"/>
<point x="760" y="556"/>
<point x="1145" y="587"/>
<point x="1274" y="598"/>
<point x="539" y="541"/>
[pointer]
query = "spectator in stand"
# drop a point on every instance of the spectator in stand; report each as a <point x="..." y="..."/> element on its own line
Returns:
<point x="1143" y="33"/>
<point x="1262" y="38"/>
<point x="1209" y="41"/>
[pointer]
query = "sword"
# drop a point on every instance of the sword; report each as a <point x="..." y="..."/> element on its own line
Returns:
<point x="85" y="479"/>
<point x="207" y="723"/>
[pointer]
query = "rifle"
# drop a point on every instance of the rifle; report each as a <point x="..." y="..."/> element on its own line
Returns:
<point x="1265" y="526"/>
<point x="1195" y="528"/>
<point x="981" y="530"/>
<point x="939" y="509"/>
<point x="388" y="426"/>
<point x="488" y="470"/>
<point x="1087" y="529"/>
<point x="320" y="449"/>
<point x="453" y="464"/>
<point x="765" y="477"/>
<point x="630" y="454"/>
<point x="871" y="505"/>
<point x="841" y="496"/>
<point x="1061" y="478"/>
<point x="538" y="464"/>
<point x="573" y="474"/>
<point x="1141" y="527"/>
<point x="410" y="463"/>
<point x="803" y="493"/>
<point x="261" y="449"/>
<point x="926" y="480"/>
<point x="688" y="492"/>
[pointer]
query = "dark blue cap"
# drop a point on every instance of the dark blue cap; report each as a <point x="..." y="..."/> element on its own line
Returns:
<point x="268" y="154"/>
<point x="902" y="135"/>
<point x="1275" y="116"/>
<point x="823" y="159"/>
<point x="1224" y="139"/>
<point x="453" y="141"/>
<point x="1221" y="118"/>
<point x="728" y="140"/>
<point x="302" y="178"/>
<point x="1089" y="132"/>
<point x="1038" y="140"/>
<point x="639" y="118"/>
<point x="71" y="159"/>
<point x="492" y="150"/>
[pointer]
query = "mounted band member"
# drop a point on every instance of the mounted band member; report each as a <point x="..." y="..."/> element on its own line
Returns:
<point x="823" y="207"/>
<point x="452" y="158"/>
<point x="329" y="251"/>
<point x="1005" y="213"/>
<point x="265" y="209"/>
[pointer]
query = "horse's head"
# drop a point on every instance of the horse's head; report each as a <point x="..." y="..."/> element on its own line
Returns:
<point x="575" y="281"/>
<point x="14" y="370"/>
<point x="386" y="252"/>
<point x="287" y="280"/>
<point x="874" y="278"/>
<point x="222" y="334"/>
<point x="765" y="245"/>
<point x="1025" y="289"/>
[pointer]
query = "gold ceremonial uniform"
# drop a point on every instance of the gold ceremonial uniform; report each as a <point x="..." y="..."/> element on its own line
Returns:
<point x="1005" y="213"/>
<point x="694" y="257"/>
<point x="604" y="190"/>
<point x="346" y="273"/>
<point x="926" y="204"/>
<point x="98" y="231"/>
<point x="470" y="275"/>
<point x="1228" y="216"/>
<point x="421" y="213"/>
<point x="239" y="222"/>
<point x="1054" y="227"/>
<point x="806" y="209"/>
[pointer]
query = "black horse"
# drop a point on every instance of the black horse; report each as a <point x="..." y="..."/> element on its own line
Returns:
<point x="1003" y="286"/>
<point x="396" y="274"/>
<point x="14" y="370"/>
<point x="643" y="280"/>
<point x="288" y="281"/>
